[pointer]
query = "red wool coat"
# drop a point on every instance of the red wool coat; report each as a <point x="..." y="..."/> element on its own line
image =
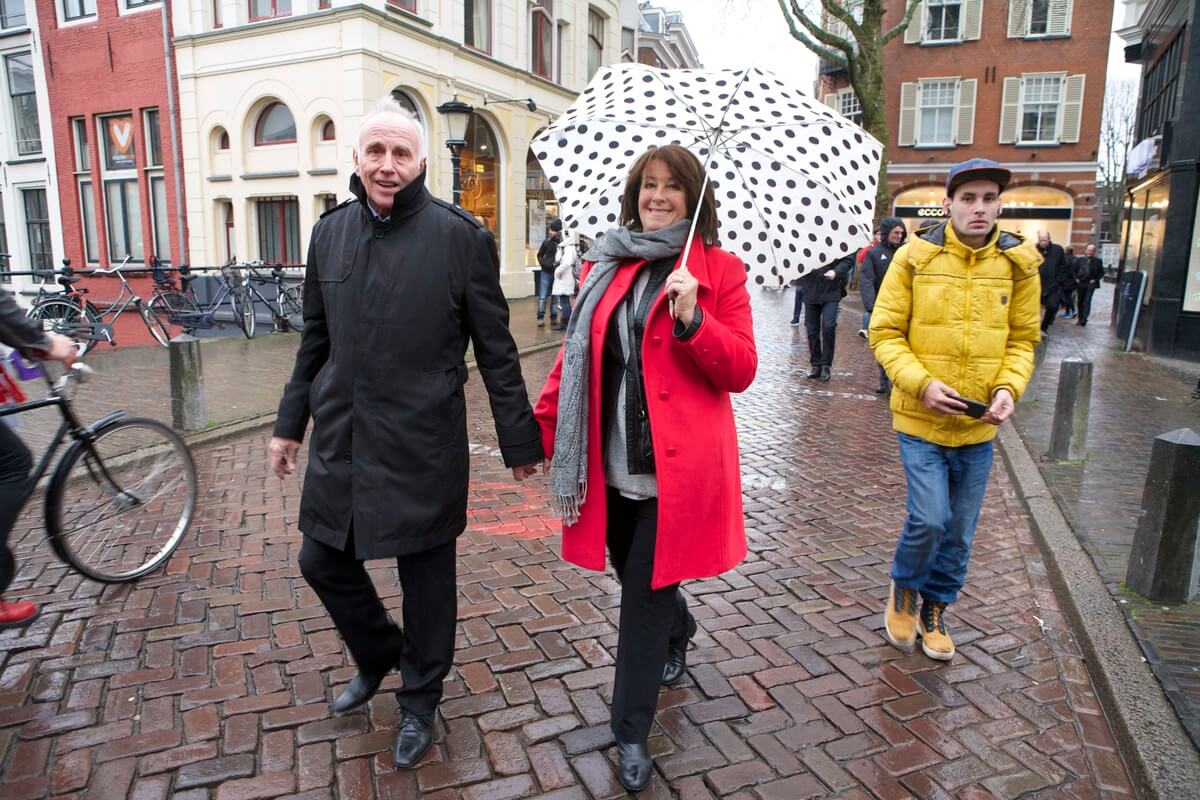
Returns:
<point x="700" y="523"/>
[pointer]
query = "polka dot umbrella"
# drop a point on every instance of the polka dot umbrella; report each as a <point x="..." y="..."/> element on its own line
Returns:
<point x="794" y="181"/>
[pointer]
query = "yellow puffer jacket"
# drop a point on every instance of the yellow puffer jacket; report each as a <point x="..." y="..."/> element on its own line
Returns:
<point x="968" y="318"/>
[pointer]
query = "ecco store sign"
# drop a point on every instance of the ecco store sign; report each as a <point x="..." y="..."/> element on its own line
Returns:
<point x="920" y="211"/>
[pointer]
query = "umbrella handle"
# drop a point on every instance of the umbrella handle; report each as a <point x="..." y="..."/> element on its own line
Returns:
<point x="687" y="245"/>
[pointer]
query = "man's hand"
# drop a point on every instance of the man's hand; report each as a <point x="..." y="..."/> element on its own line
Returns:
<point x="528" y="470"/>
<point x="1002" y="407"/>
<point x="830" y="274"/>
<point x="59" y="348"/>
<point x="282" y="453"/>
<point x="941" y="398"/>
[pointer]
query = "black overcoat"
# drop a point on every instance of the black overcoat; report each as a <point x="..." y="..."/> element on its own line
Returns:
<point x="389" y="309"/>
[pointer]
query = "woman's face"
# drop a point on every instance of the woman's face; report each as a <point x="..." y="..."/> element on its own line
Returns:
<point x="661" y="200"/>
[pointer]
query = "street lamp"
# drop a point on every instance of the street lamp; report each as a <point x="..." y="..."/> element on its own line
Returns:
<point x="457" y="114"/>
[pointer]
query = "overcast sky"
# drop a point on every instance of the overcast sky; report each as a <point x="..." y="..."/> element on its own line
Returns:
<point x="731" y="34"/>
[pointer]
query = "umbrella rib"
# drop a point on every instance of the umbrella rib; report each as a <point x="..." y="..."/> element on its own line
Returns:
<point x="754" y="200"/>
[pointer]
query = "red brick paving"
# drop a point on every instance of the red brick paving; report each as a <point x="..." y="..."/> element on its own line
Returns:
<point x="211" y="679"/>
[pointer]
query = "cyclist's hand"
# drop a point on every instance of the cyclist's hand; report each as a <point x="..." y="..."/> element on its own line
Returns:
<point x="282" y="453"/>
<point x="60" y="348"/>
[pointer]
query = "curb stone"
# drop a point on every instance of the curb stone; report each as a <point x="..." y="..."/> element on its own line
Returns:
<point x="1161" y="759"/>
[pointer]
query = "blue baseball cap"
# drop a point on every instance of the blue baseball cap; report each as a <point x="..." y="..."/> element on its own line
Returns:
<point x="977" y="169"/>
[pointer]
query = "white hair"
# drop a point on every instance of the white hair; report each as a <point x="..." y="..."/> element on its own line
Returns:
<point x="389" y="107"/>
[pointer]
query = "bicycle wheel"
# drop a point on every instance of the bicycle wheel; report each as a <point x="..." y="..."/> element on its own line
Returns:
<point x="62" y="316"/>
<point x="158" y="328"/>
<point x="243" y="310"/>
<point x="164" y="304"/>
<point x="291" y="304"/>
<point x="119" y="505"/>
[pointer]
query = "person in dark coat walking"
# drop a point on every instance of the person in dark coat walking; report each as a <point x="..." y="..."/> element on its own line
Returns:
<point x="823" y="292"/>
<point x="397" y="283"/>
<point x="547" y="257"/>
<point x="1053" y="272"/>
<point x="892" y="234"/>
<point x="1067" y="303"/>
<point x="1089" y="274"/>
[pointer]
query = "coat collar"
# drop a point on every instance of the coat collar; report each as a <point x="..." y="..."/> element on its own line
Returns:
<point x="697" y="263"/>
<point x="941" y="238"/>
<point x="405" y="203"/>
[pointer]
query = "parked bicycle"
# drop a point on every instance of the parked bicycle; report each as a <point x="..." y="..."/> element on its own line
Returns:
<point x="69" y="312"/>
<point x="180" y="306"/>
<point x="65" y="315"/>
<point x="120" y="499"/>
<point x="287" y="308"/>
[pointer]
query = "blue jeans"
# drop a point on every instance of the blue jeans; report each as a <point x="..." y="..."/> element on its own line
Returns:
<point x="946" y="486"/>
<point x="545" y="281"/>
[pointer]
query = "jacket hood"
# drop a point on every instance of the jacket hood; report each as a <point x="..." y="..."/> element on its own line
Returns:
<point x="941" y="237"/>
<point x="886" y="226"/>
<point x="405" y="202"/>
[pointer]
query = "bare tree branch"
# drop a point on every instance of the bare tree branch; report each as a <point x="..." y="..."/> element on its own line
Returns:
<point x="799" y="35"/>
<point x="834" y="9"/>
<point x="909" y="13"/>
<point x="817" y="32"/>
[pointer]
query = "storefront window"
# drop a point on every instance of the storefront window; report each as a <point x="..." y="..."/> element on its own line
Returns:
<point x="1157" y="200"/>
<point x="480" y="174"/>
<point x="540" y="206"/>
<point x="1026" y="210"/>
<point x="1191" y="286"/>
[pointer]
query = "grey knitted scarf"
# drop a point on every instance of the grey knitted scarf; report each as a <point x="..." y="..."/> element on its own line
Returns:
<point x="568" y="476"/>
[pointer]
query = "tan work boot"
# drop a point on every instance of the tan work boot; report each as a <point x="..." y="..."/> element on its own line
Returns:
<point x="900" y="619"/>
<point x="932" y="626"/>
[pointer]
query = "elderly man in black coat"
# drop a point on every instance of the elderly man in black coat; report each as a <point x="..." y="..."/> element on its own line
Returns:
<point x="1055" y="273"/>
<point x="1089" y="274"/>
<point x="396" y="284"/>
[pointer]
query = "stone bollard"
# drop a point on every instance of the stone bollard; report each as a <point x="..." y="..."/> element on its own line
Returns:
<point x="188" y="409"/>
<point x="1165" y="561"/>
<point x="1068" y="432"/>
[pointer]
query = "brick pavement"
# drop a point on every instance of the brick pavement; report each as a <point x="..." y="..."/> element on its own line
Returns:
<point x="211" y="680"/>
<point x="1134" y="399"/>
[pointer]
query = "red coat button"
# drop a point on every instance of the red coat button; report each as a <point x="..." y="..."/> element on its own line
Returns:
<point x="664" y="394"/>
<point x="656" y="341"/>
<point x="670" y="452"/>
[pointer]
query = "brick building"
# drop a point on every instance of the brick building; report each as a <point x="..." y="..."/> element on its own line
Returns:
<point x="1018" y="81"/>
<point x="106" y="73"/>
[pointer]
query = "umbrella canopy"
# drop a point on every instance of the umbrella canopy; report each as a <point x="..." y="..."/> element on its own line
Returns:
<point x="794" y="181"/>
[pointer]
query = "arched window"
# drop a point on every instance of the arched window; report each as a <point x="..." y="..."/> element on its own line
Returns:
<point x="221" y="139"/>
<point x="406" y="102"/>
<point x="480" y="166"/>
<point x="327" y="131"/>
<point x="275" y="125"/>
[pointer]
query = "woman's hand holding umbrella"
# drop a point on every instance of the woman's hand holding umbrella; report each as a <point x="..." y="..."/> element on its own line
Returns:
<point x="681" y="292"/>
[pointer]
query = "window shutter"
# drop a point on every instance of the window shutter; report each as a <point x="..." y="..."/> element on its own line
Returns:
<point x="1072" y="109"/>
<point x="1018" y="18"/>
<point x="1059" y="22"/>
<point x="972" y="24"/>
<point x="907" y="135"/>
<point x="831" y="100"/>
<point x="913" y="33"/>
<point x="964" y="123"/>
<point x="1010" y="111"/>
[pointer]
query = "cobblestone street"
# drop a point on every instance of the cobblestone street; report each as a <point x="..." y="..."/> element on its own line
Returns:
<point x="212" y="680"/>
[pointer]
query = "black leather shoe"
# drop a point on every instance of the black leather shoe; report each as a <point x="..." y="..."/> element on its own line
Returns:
<point x="826" y="374"/>
<point x="677" y="656"/>
<point x="815" y="372"/>
<point x="634" y="765"/>
<point x="357" y="692"/>
<point x="412" y="739"/>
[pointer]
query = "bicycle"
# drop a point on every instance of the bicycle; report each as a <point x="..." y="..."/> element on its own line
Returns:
<point x="172" y="306"/>
<point x="121" y="498"/>
<point x="287" y="309"/>
<point x="126" y="297"/>
<point x="69" y="312"/>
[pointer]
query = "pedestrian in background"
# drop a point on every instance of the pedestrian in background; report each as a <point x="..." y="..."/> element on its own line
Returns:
<point x="1054" y="271"/>
<point x="397" y="284"/>
<point x="890" y="237"/>
<point x="657" y="342"/>
<point x="798" y="305"/>
<point x="955" y="320"/>
<point x="1069" y="286"/>
<point x="565" y="271"/>
<point x="823" y="292"/>
<point x="546" y="256"/>
<point x="1089" y="274"/>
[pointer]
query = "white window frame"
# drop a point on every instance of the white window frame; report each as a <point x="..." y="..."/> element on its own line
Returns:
<point x="1029" y="32"/>
<point x="924" y="85"/>
<point x="64" y="21"/>
<point x="127" y="7"/>
<point x="24" y="17"/>
<point x="1061" y="77"/>
<point x="926" y="13"/>
<point x="87" y="211"/>
<point x="17" y="155"/>
<point x="126" y="174"/>
<point x="544" y="10"/>
<point x="595" y="15"/>
<point x="848" y="105"/>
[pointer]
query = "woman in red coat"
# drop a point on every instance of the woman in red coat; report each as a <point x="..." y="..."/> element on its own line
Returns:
<point x="637" y="420"/>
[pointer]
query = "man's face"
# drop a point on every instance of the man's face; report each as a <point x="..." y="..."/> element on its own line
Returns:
<point x="1043" y="239"/>
<point x="974" y="208"/>
<point x="896" y="235"/>
<point x="387" y="158"/>
<point x="1090" y="250"/>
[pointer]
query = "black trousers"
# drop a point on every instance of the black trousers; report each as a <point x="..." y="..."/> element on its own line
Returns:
<point x="424" y="650"/>
<point x="1084" y="302"/>
<point x="15" y="465"/>
<point x="820" y="322"/>
<point x="1048" y="317"/>
<point x="651" y="619"/>
<point x="798" y="305"/>
<point x="1068" y="299"/>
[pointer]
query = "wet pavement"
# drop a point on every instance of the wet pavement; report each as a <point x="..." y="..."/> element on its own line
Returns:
<point x="212" y="679"/>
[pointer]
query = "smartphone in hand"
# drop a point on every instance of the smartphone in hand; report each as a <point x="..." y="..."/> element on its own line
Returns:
<point x="974" y="407"/>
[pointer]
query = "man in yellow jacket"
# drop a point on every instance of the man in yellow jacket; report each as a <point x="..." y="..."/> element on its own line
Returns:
<point x="956" y="319"/>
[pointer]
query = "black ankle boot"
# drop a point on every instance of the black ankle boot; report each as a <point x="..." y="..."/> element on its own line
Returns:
<point x="634" y="765"/>
<point x="676" y="664"/>
<point x="413" y="739"/>
<point x="815" y="372"/>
